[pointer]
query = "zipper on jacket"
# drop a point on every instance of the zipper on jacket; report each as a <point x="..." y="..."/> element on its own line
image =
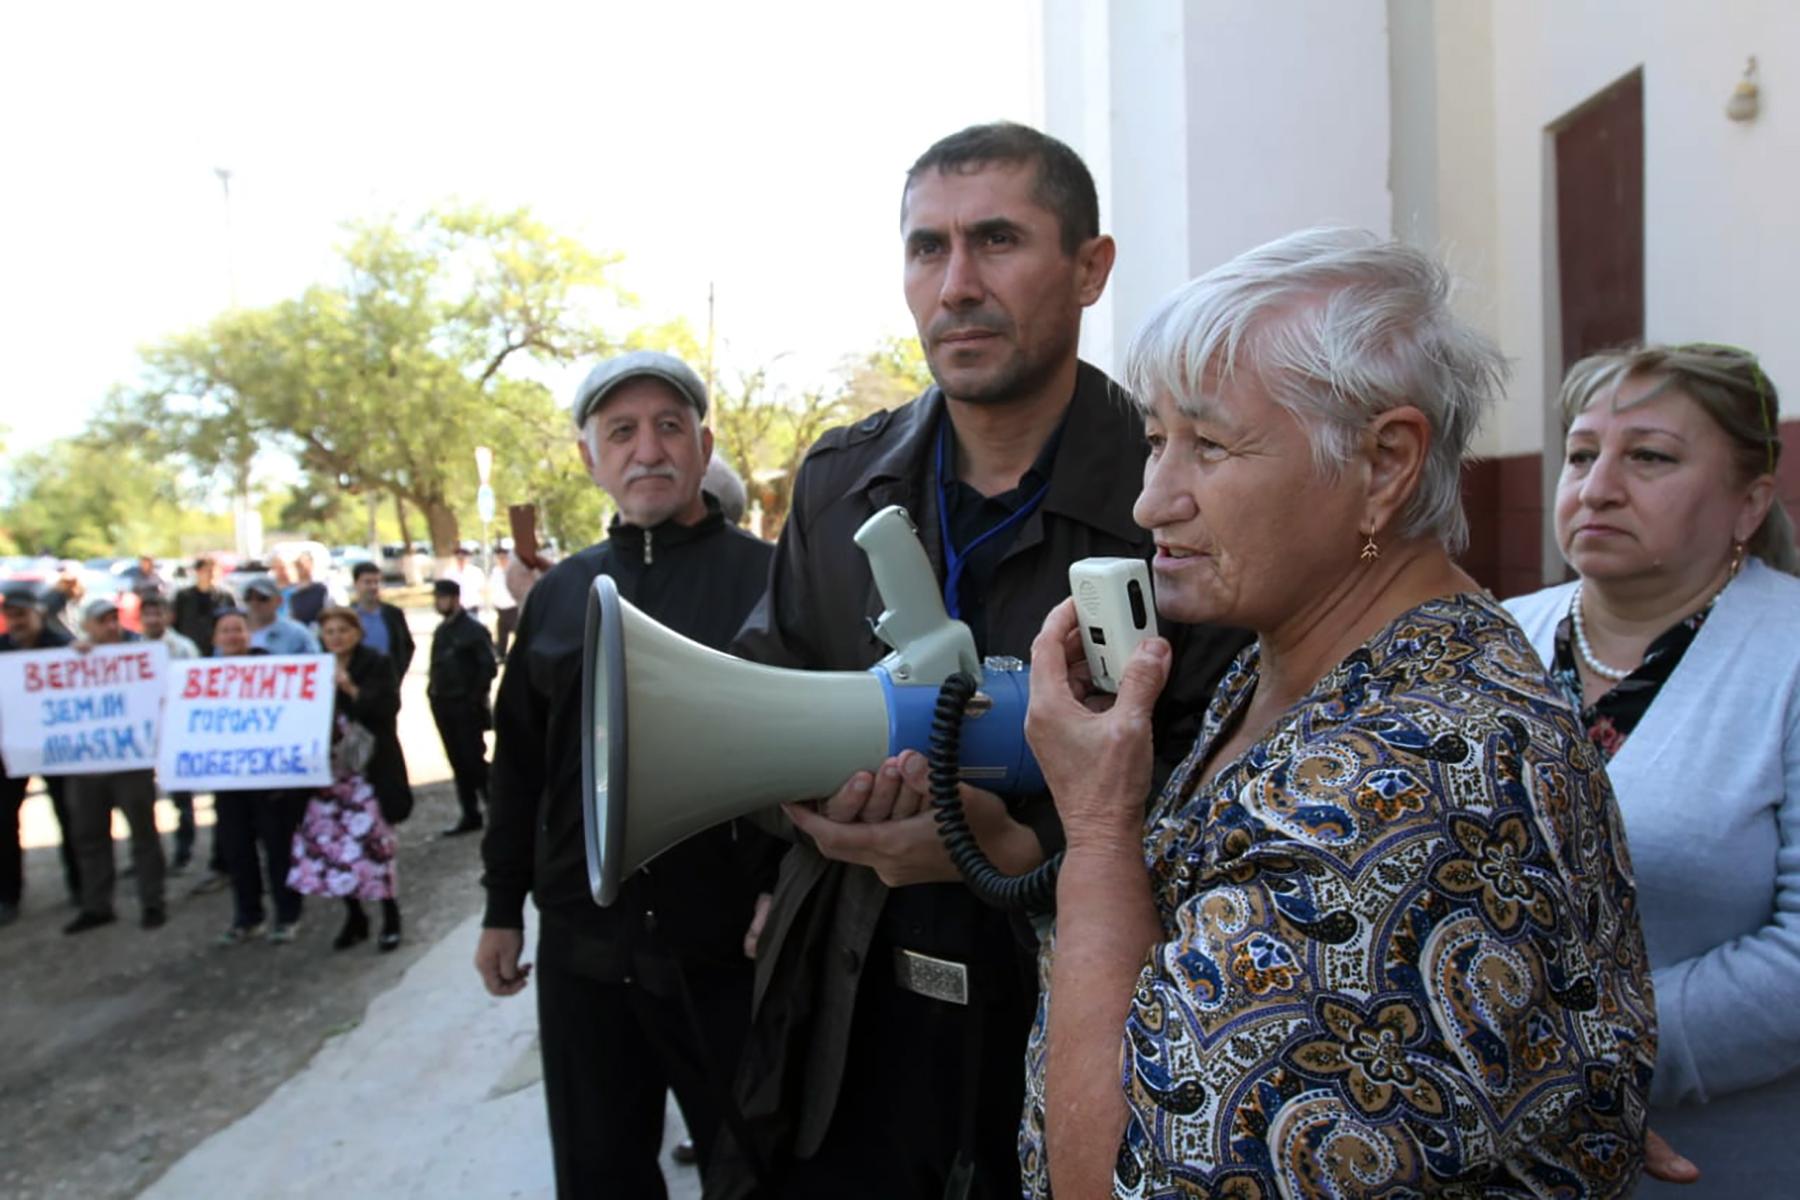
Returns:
<point x="649" y="547"/>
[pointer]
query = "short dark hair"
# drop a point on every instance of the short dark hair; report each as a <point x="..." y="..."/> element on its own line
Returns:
<point x="205" y="560"/>
<point x="1064" y="186"/>
<point x="227" y="610"/>
<point x="152" y="600"/>
<point x="363" y="568"/>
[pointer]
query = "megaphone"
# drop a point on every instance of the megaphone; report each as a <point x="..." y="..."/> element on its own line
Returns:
<point x="678" y="737"/>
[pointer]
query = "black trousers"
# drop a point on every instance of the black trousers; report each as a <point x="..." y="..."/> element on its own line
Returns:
<point x="12" y="852"/>
<point x="612" y="1051"/>
<point x="463" y="724"/>
<point x="506" y="620"/>
<point x="921" y="1077"/>
<point x="249" y="822"/>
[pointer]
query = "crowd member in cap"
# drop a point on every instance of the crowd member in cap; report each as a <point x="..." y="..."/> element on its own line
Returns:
<point x="196" y="604"/>
<point x="462" y="675"/>
<point x="92" y="799"/>
<point x="384" y="625"/>
<point x="884" y="986"/>
<point x="345" y="844"/>
<point x="506" y="608"/>
<point x="1679" y="647"/>
<point x="26" y="629"/>
<point x="654" y="992"/>
<point x="470" y="580"/>
<point x="271" y="632"/>
<point x="153" y="612"/>
<point x="255" y="827"/>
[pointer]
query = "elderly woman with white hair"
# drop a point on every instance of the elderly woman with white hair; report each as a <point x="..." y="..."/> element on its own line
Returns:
<point x="1377" y="935"/>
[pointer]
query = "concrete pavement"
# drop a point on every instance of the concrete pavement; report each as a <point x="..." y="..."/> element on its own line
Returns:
<point x="435" y="1093"/>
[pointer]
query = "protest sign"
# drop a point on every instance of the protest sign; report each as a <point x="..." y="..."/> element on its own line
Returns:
<point x="253" y="722"/>
<point x="64" y="712"/>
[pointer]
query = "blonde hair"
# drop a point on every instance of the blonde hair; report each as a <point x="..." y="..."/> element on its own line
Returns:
<point x="1730" y="386"/>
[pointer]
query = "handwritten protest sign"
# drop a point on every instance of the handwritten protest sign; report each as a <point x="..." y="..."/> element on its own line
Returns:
<point x="236" y="724"/>
<point x="63" y="712"/>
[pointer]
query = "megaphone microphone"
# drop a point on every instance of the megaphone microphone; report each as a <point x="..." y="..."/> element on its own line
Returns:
<point x="679" y="737"/>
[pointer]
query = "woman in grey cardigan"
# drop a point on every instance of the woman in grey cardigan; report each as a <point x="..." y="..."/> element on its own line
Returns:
<point x="1680" y="647"/>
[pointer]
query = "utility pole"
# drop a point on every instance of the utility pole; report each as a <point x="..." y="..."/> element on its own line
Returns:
<point x="224" y="174"/>
<point x="709" y="341"/>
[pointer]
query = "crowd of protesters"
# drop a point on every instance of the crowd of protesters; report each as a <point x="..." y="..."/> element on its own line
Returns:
<point x="267" y="849"/>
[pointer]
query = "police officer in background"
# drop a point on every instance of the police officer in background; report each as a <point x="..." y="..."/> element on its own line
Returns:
<point x="887" y="1055"/>
<point x="462" y="670"/>
<point x="652" y="993"/>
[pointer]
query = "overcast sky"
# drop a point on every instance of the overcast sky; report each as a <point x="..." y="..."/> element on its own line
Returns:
<point x="760" y="146"/>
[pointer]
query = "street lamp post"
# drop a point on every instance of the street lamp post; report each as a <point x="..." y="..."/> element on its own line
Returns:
<point x="484" y="505"/>
<point x="245" y="534"/>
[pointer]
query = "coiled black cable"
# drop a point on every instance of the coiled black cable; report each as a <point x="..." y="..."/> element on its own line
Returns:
<point x="1034" y="891"/>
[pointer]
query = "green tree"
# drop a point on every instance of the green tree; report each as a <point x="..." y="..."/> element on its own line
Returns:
<point x="82" y="498"/>
<point x="389" y="379"/>
<point x="764" y="430"/>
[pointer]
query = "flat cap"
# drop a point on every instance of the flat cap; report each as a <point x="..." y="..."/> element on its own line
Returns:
<point x="603" y="379"/>
<point x="102" y="607"/>
<point x="22" y="593"/>
<point x="446" y="587"/>
<point x="262" y="585"/>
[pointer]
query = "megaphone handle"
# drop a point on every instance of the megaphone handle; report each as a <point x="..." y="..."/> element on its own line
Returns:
<point x="1034" y="891"/>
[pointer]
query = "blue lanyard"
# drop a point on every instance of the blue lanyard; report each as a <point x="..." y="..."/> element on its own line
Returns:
<point x="956" y="560"/>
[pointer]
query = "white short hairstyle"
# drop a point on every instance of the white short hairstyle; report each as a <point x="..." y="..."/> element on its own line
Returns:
<point x="1339" y="326"/>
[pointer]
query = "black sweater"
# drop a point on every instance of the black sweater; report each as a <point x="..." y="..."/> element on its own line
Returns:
<point x="701" y="581"/>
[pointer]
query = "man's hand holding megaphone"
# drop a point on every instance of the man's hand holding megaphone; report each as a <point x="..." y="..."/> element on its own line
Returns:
<point x="883" y="820"/>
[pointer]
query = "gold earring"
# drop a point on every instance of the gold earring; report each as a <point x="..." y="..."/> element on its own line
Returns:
<point x="1370" y="550"/>
<point x="1737" y="557"/>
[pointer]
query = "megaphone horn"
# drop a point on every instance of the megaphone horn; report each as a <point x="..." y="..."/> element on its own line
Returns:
<point x="678" y="737"/>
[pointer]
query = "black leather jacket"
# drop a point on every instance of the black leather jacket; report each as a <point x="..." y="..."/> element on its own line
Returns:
<point x="817" y="615"/>
<point x="462" y="661"/>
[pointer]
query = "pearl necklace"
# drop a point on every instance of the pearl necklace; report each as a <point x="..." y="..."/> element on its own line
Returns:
<point x="1587" y="652"/>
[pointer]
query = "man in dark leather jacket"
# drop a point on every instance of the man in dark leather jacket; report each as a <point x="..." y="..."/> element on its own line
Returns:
<point x="863" y="1076"/>
<point x="653" y="992"/>
<point x="462" y="670"/>
<point x="27" y="629"/>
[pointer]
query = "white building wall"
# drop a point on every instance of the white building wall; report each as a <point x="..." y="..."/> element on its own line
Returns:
<point x="1287" y="121"/>
<point x="1212" y="126"/>
<point x="1722" y="244"/>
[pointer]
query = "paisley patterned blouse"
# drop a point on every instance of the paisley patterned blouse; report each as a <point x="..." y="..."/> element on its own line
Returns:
<point x="1402" y="953"/>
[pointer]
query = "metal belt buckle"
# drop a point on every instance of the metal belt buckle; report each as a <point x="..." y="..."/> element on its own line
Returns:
<point x="936" y="978"/>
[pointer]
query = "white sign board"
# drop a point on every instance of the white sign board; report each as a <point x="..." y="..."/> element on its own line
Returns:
<point x="63" y="712"/>
<point x="247" y="723"/>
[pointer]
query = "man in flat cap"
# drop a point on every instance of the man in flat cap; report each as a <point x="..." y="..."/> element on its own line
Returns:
<point x="271" y="632"/>
<point x="653" y="992"/>
<point x="462" y="671"/>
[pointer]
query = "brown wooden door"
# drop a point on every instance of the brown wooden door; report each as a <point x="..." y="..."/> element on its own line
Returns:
<point x="1600" y="220"/>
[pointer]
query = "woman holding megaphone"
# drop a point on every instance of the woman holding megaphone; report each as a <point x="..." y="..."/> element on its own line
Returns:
<point x="1363" y="940"/>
